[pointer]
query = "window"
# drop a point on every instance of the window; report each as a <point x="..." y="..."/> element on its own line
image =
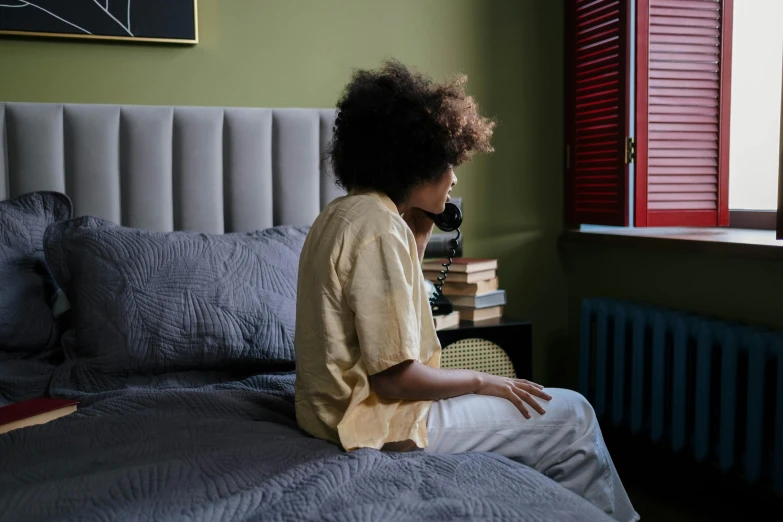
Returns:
<point x="755" y="104"/>
<point x="659" y="114"/>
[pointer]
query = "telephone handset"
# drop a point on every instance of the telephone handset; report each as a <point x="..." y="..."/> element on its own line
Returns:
<point x="448" y="221"/>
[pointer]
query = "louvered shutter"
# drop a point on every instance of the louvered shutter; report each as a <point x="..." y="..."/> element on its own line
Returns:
<point x="597" y="117"/>
<point x="682" y="112"/>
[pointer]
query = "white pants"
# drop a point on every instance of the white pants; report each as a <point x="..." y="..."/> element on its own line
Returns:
<point x="565" y="443"/>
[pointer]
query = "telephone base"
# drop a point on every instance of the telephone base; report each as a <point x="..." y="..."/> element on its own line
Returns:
<point x="442" y="306"/>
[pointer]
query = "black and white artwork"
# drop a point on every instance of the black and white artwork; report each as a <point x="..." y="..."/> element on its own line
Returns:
<point x="142" y="20"/>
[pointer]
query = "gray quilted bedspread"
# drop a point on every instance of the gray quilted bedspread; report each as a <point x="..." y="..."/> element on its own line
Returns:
<point x="215" y="446"/>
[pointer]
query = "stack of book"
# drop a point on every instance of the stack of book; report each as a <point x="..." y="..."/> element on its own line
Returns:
<point x="471" y="286"/>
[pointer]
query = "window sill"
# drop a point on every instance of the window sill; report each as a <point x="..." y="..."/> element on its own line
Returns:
<point x="721" y="241"/>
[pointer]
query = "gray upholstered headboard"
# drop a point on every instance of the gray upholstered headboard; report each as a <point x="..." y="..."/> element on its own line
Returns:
<point x="206" y="169"/>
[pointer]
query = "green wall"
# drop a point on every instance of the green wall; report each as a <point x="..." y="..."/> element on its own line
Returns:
<point x="251" y="53"/>
<point x="734" y="287"/>
<point x="275" y="53"/>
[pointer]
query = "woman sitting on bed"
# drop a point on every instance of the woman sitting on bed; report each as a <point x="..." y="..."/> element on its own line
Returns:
<point x="367" y="356"/>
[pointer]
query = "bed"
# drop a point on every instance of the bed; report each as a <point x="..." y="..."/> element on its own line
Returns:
<point x="147" y="269"/>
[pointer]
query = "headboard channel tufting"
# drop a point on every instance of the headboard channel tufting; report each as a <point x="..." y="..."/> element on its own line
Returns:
<point x="205" y="169"/>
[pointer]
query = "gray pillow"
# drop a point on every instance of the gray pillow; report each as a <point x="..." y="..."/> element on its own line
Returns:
<point x="152" y="302"/>
<point x="27" y="290"/>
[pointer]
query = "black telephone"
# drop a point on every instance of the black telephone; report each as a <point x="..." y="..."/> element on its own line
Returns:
<point x="448" y="221"/>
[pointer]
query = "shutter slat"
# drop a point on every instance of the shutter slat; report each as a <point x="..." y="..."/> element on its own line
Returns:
<point x="689" y="162"/>
<point x="590" y="195"/>
<point x="673" y="48"/>
<point x="681" y="170"/>
<point x="604" y="94"/>
<point x="597" y="105"/>
<point x="684" y="75"/>
<point x="682" y="57"/>
<point x="689" y="196"/>
<point x="596" y="172"/>
<point x="695" y="145"/>
<point x="598" y="158"/>
<point x="585" y="41"/>
<point x="698" y="31"/>
<point x="603" y="91"/>
<point x="660" y="39"/>
<point x="597" y="78"/>
<point x="594" y="123"/>
<point x="595" y="166"/>
<point x="596" y="153"/>
<point x="664" y="12"/>
<point x="587" y="65"/>
<point x="682" y="205"/>
<point x="595" y="204"/>
<point x="684" y="187"/>
<point x="684" y="136"/>
<point x="598" y="183"/>
<point x="685" y="84"/>
<point x="596" y="143"/>
<point x="597" y="50"/>
<point x="683" y="118"/>
<point x="687" y="4"/>
<point x="600" y="17"/>
<point x="683" y="153"/>
<point x="682" y="127"/>
<point x="605" y="112"/>
<point x="680" y="179"/>
<point x="605" y="178"/>
<point x="680" y="109"/>
<point x="601" y="69"/>
<point x="679" y="66"/>
<point x="600" y="115"/>
<point x="684" y="92"/>
<point x="597" y="132"/>
<point x="593" y="194"/>
<point x="598" y="86"/>
<point x="676" y="21"/>
<point x="683" y="102"/>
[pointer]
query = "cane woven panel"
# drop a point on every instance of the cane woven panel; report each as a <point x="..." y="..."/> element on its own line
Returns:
<point x="477" y="354"/>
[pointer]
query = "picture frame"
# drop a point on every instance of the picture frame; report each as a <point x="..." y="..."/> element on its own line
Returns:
<point x="169" y="21"/>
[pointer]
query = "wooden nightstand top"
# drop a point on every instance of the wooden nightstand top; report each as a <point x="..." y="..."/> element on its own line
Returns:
<point x="488" y="323"/>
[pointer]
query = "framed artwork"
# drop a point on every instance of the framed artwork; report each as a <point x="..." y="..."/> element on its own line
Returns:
<point x="165" y="21"/>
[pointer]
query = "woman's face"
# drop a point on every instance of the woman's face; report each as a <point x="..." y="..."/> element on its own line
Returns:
<point x="433" y="196"/>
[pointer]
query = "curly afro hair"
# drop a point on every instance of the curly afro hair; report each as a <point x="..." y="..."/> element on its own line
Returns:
<point x="396" y="129"/>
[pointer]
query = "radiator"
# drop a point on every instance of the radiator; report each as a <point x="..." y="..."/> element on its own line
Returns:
<point x="709" y="388"/>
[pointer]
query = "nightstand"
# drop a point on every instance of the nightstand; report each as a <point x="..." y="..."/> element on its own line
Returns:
<point x="497" y="346"/>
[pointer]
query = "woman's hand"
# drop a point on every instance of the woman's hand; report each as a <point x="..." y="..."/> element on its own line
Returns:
<point x="421" y="225"/>
<point x="518" y="391"/>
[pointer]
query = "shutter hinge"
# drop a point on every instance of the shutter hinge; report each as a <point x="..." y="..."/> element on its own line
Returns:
<point x="630" y="150"/>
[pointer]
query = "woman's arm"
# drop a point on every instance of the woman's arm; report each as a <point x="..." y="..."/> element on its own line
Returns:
<point x="412" y="380"/>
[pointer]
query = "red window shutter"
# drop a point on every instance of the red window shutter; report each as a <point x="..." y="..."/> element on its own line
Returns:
<point x="597" y="118"/>
<point x="682" y="112"/>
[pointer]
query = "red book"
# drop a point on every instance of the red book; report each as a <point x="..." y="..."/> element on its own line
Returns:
<point x="34" y="411"/>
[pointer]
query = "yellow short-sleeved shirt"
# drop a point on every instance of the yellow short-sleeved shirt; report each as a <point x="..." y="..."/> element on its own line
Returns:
<point x="362" y="307"/>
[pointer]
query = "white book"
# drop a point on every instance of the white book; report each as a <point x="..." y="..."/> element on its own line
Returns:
<point x="495" y="298"/>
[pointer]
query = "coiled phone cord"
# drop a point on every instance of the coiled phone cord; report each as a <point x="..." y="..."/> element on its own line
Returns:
<point x="453" y="244"/>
